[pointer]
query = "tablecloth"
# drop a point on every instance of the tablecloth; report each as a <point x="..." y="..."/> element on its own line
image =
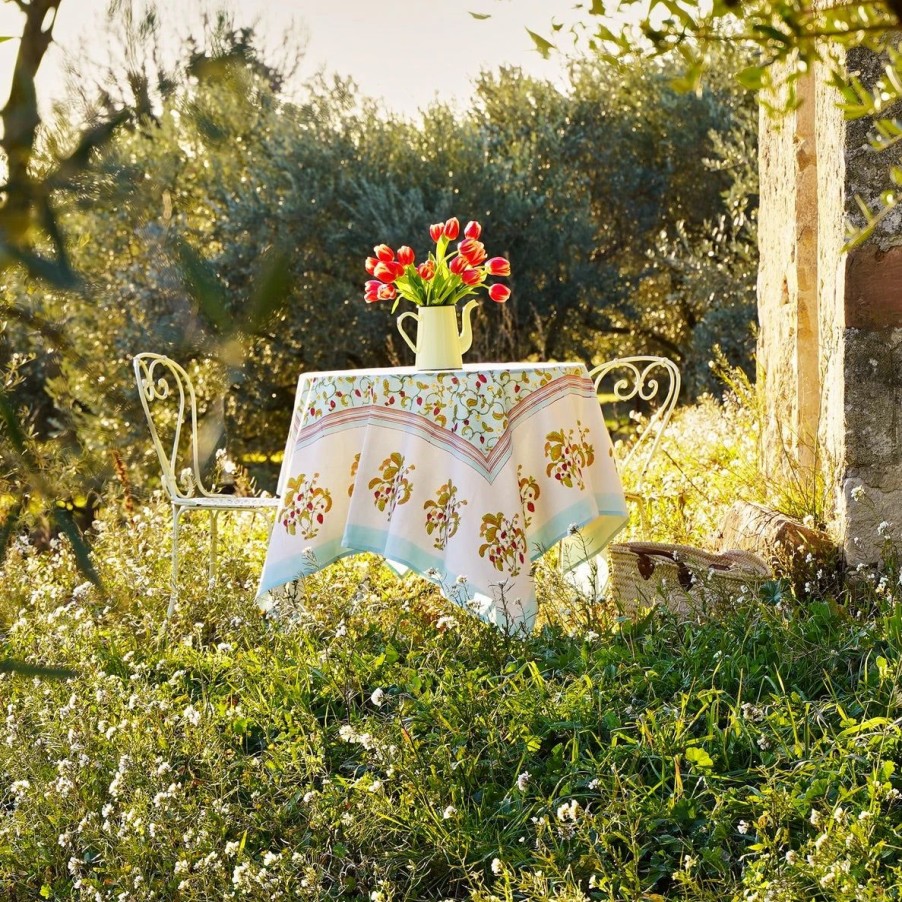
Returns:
<point x="466" y="476"/>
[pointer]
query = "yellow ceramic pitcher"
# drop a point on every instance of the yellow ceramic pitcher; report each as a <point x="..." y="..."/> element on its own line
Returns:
<point x="438" y="345"/>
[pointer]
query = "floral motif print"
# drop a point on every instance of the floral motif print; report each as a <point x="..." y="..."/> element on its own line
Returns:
<point x="505" y="542"/>
<point x="474" y="405"/>
<point x="529" y="494"/>
<point x="305" y="506"/>
<point x="355" y="463"/>
<point x="569" y="456"/>
<point x="392" y="487"/>
<point x="442" y="514"/>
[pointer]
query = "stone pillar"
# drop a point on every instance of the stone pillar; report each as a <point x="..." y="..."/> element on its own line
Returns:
<point x="830" y="345"/>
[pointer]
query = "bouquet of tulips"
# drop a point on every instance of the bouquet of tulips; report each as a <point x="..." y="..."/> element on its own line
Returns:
<point x="444" y="278"/>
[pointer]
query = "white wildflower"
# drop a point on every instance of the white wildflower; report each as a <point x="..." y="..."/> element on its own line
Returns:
<point x="191" y="715"/>
<point x="231" y="848"/>
<point x="497" y="866"/>
<point x="449" y="812"/>
<point x="523" y="781"/>
<point x="375" y="786"/>
<point x="378" y="697"/>
<point x="791" y="856"/>
<point x="743" y="827"/>
<point x="568" y="811"/>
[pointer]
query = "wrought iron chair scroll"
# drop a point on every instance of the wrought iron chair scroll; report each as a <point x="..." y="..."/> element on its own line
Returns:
<point x="655" y="381"/>
<point x="164" y="386"/>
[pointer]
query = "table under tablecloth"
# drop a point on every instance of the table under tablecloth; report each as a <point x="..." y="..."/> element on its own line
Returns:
<point x="465" y="476"/>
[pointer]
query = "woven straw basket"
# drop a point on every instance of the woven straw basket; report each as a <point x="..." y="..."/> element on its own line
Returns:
<point x="687" y="580"/>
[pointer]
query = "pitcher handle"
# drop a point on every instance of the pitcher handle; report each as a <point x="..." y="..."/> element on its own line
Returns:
<point x="404" y="335"/>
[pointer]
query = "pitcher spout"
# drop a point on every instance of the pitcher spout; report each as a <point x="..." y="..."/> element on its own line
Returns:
<point x="466" y="333"/>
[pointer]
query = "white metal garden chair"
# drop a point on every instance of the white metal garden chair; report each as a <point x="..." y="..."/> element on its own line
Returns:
<point x="170" y="406"/>
<point x="654" y="382"/>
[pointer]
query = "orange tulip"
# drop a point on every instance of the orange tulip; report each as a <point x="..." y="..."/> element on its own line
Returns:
<point x="386" y="292"/>
<point x="472" y="229"/>
<point x="426" y="270"/>
<point x="499" y="293"/>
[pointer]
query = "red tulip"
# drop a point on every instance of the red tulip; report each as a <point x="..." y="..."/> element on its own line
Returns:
<point x="426" y="270"/>
<point x="388" y="272"/>
<point x="458" y="264"/>
<point x="471" y="276"/>
<point x="452" y="229"/>
<point x="473" y="250"/>
<point x="372" y="285"/>
<point x="498" y="266"/>
<point x="386" y="292"/>
<point x="384" y="252"/>
<point x="371" y="264"/>
<point x="472" y="229"/>
<point x="436" y="231"/>
<point x="405" y="255"/>
<point x="499" y="293"/>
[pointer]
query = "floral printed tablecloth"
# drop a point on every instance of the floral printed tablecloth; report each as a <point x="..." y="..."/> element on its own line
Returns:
<point x="466" y="476"/>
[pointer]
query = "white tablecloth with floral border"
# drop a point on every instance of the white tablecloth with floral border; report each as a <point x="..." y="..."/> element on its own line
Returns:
<point x="465" y="476"/>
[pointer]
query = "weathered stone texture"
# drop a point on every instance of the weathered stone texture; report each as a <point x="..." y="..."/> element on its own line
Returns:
<point x="830" y="345"/>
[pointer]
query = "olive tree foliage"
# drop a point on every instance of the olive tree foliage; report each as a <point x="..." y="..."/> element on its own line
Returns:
<point x="584" y="191"/>
<point x="227" y="226"/>
<point x="787" y="39"/>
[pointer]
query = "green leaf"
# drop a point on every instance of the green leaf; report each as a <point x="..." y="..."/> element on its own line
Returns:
<point x="7" y="37"/>
<point x="80" y="548"/>
<point x="271" y="287"/>
<point x="752" y="78"/>
<point x="8" y="528"/>
<point x="542" y="45"/>
<point x="204" y="286"/>
<point x="597" y="8"/>
<point x="22" y="668"/>
<point x="699" y="757"/>
<point x="45" y="891"/>
<point x="481" y="15"/>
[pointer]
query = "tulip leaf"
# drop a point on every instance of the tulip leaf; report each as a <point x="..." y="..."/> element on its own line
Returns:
<point x="481" y="15"/>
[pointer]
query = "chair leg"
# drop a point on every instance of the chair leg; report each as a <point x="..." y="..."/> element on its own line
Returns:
<point x="213" y="516"/>
<point x="174" y="578"/>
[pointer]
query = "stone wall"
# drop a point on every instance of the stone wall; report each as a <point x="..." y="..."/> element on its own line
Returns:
<point x="830" y="347"/>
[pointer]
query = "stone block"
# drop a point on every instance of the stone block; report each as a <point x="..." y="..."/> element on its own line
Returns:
<point x="785" y="543"/>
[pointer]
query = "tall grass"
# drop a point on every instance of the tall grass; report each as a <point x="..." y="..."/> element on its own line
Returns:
<point x="367" y="741"/>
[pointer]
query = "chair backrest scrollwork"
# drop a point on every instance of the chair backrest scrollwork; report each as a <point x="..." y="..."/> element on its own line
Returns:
<point x="654" y="381"/>
<point x="169" y="403"/>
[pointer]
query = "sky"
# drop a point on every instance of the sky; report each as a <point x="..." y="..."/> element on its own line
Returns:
<point x="405" y="52"/>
